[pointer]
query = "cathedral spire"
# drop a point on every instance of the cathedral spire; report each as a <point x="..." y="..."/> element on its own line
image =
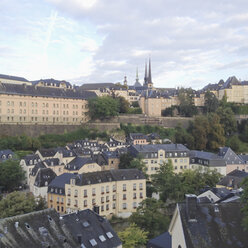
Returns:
<point x="149" y="73"/>
<point x="145" y="78"/>
<point x="137" y="75"/>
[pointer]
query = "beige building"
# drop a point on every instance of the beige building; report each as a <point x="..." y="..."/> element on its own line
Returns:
<point x="114" y="192"/>
<point x="7" y="79"/>
<point x="27" y="104"/>
<point x="155" y="155"/>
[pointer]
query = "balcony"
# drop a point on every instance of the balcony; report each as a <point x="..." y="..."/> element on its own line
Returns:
<point x="124" y="198"/>
<point x="102" y="193"/>
<point x="124" y="190"/>
<point x="141" y="196"/>
<point x="134" y="189"/>
<point x="93" y="194"/>
<point x="134" y="197"/>
<point x="107" y="200"/>
<point x="85" y="206"/>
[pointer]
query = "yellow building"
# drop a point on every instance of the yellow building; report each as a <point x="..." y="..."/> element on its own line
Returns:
<point x="155" y="155"/>
<point x="28" y="104"/>
<point x="117" y="192"/>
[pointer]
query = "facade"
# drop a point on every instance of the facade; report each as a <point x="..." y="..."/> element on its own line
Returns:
<point x="207" y="160"/>
<point x="47" y="228"/>
<point x="137" y="139"/>
<point x="32" y="104"/>
<point x="117" y="192"/>
<point x="155" y="155"/>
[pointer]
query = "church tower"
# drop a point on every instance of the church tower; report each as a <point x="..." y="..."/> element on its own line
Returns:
<point x="148" y="78"/>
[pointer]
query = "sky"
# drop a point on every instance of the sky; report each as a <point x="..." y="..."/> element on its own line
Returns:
<point x="191" y="43"/>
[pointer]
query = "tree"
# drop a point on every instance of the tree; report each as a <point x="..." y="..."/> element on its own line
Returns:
<point x="235" y="143"/>
<point x="18" y="203"/>
<point x="123" y="104"/>
<point x="216" y="133"/>
<point x="211" y="102"/>
<point x="11" y="174"/>
<point x="127" y="161"/>
<point x="103" y="107"/>
<point x="227" y="119"/>
<point x="133" y="236"/>
<point x="200" y="131"/>
<point x="151" y="217"/>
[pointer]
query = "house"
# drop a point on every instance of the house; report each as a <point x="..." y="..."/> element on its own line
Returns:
<point x="40" y="177"/>
<point x="155" y="155"/>
<point x="56" y="192"/>
<point x="47" y="228"/>
<point x="207" y="160"/>
<point x="233" y="161"/>
<point x="82" y="165"/>
<point x="27" y="163"/>
<point x="232" y="180"/>
<point x="108" y="160"/>
<point x="154" y="138"/>
<point x="137" y="139"/>
<point x="205" y="225"/>
<point x="117" y="192"/>
<point x="5" y="155"/>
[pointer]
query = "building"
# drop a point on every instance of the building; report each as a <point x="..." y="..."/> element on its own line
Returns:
<point x="5" y="155"/>
<point x="233" y="161"/>
<point x="56" y="192"/>
<point x="233" y="179"/>
<point x="155" y="155"/>
<point x="7" y="79"/>
<point x="47" y="229"/>
<point x="207" y="160"/>
<point x="114" y="192"/>
<point x="204" y="225"/>
<point x="33" y="104"/>
<point x="137" y="139"/>
<point x="52" y="83"/>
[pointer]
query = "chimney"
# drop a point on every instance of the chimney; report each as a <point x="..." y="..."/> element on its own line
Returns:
<point x="191" y="207"/>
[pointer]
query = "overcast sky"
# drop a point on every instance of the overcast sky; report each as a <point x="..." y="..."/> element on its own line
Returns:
<point x="191" y="43"/>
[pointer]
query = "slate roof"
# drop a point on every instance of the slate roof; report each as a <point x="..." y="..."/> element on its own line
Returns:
<point x="51" y="161"/>
<point x="48" y="152"/>
<point x="59" y="183"/>
<point x="39" y="165"/>
<point x="96" y="86"/>
<point x="46" y="228"/>
<point x="213" y="159"/>
<point x="216" y="226"/>
<point x="13" y="78"/>
<point x="31" y="159"/>
<point x="233" y="179"/>
<point x="52" y="82"/>
<point x="162" y="241"/>
<point x="230" y="156"/>
<point x="44" y="177"/>
<point x="229" y="82"/>
<point x="6" y="154"/>
<point x="134" y="136"/>
<point x="211" y="87"/>
<point x="78" y="162"/>
<point x="30" y="90"/>
<point x="106" y="176"/>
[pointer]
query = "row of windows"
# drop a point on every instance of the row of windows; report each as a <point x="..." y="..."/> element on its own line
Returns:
<point x="124" y="188"/>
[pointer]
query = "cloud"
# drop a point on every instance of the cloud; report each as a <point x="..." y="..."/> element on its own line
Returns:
<point x="191" y="43"/>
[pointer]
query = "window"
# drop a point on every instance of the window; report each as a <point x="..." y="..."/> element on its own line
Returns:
<point x="93" y="201"/>
<point x="76" y="193"/>
<point x="134" y="204"/>
<point x="85" y="193"/>
<point x="134" y="195"/>
<point x="124" y="186"/>
<point x="93" y="191"/>
<point x="124" y="206"/>
<point x="93" y="242"/>
<point x="124" y="197"/>
<point x="114" y="205"/>
<point x="107" y="198"/>
<point x="102" y="199"/>
<point x="134" y="186"/>
<point x="114" y="197"/>
<point x="141" y="195"/>
<point x="69" y="192"/>
<point x="107" y="189"/>
<point x="102" y="189"/>
<point x="85" y="203"/>
<point x="102" y="238"/>
<point x="114" y="188"/>
<point x="109" y="235"/>
<point x="107" y="207"/>
<point x="102" y="208"/>
<point x="141" y="186"/>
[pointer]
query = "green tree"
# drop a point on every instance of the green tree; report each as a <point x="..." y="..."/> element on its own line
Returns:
<point x="227" y="119"/>
<point x="211" y="102"/>
<point x="123" y="104"/>
<point x="200" y="129"/>
<point x="11" y="174"/>
<point x="125" y="161"/>
<point x="103" y="107"/>
<point x="133" y="236"/>
<point x="18" y="203"/>
<point x="151" y="217"/>
<point x="235" y="143"/>
<point x="216" y="133"/>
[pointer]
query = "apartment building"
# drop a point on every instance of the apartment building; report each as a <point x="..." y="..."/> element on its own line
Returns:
<point x="117" y="192"/>
<point x="155" y="155"/>
<point x="33" y="104"/>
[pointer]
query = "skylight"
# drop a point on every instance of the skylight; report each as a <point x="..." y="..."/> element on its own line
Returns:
<point x="109" y="235"/>
<point x="86" y="223"/>
<point x="93" y="242"/>
<point x="102" y="238"/>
